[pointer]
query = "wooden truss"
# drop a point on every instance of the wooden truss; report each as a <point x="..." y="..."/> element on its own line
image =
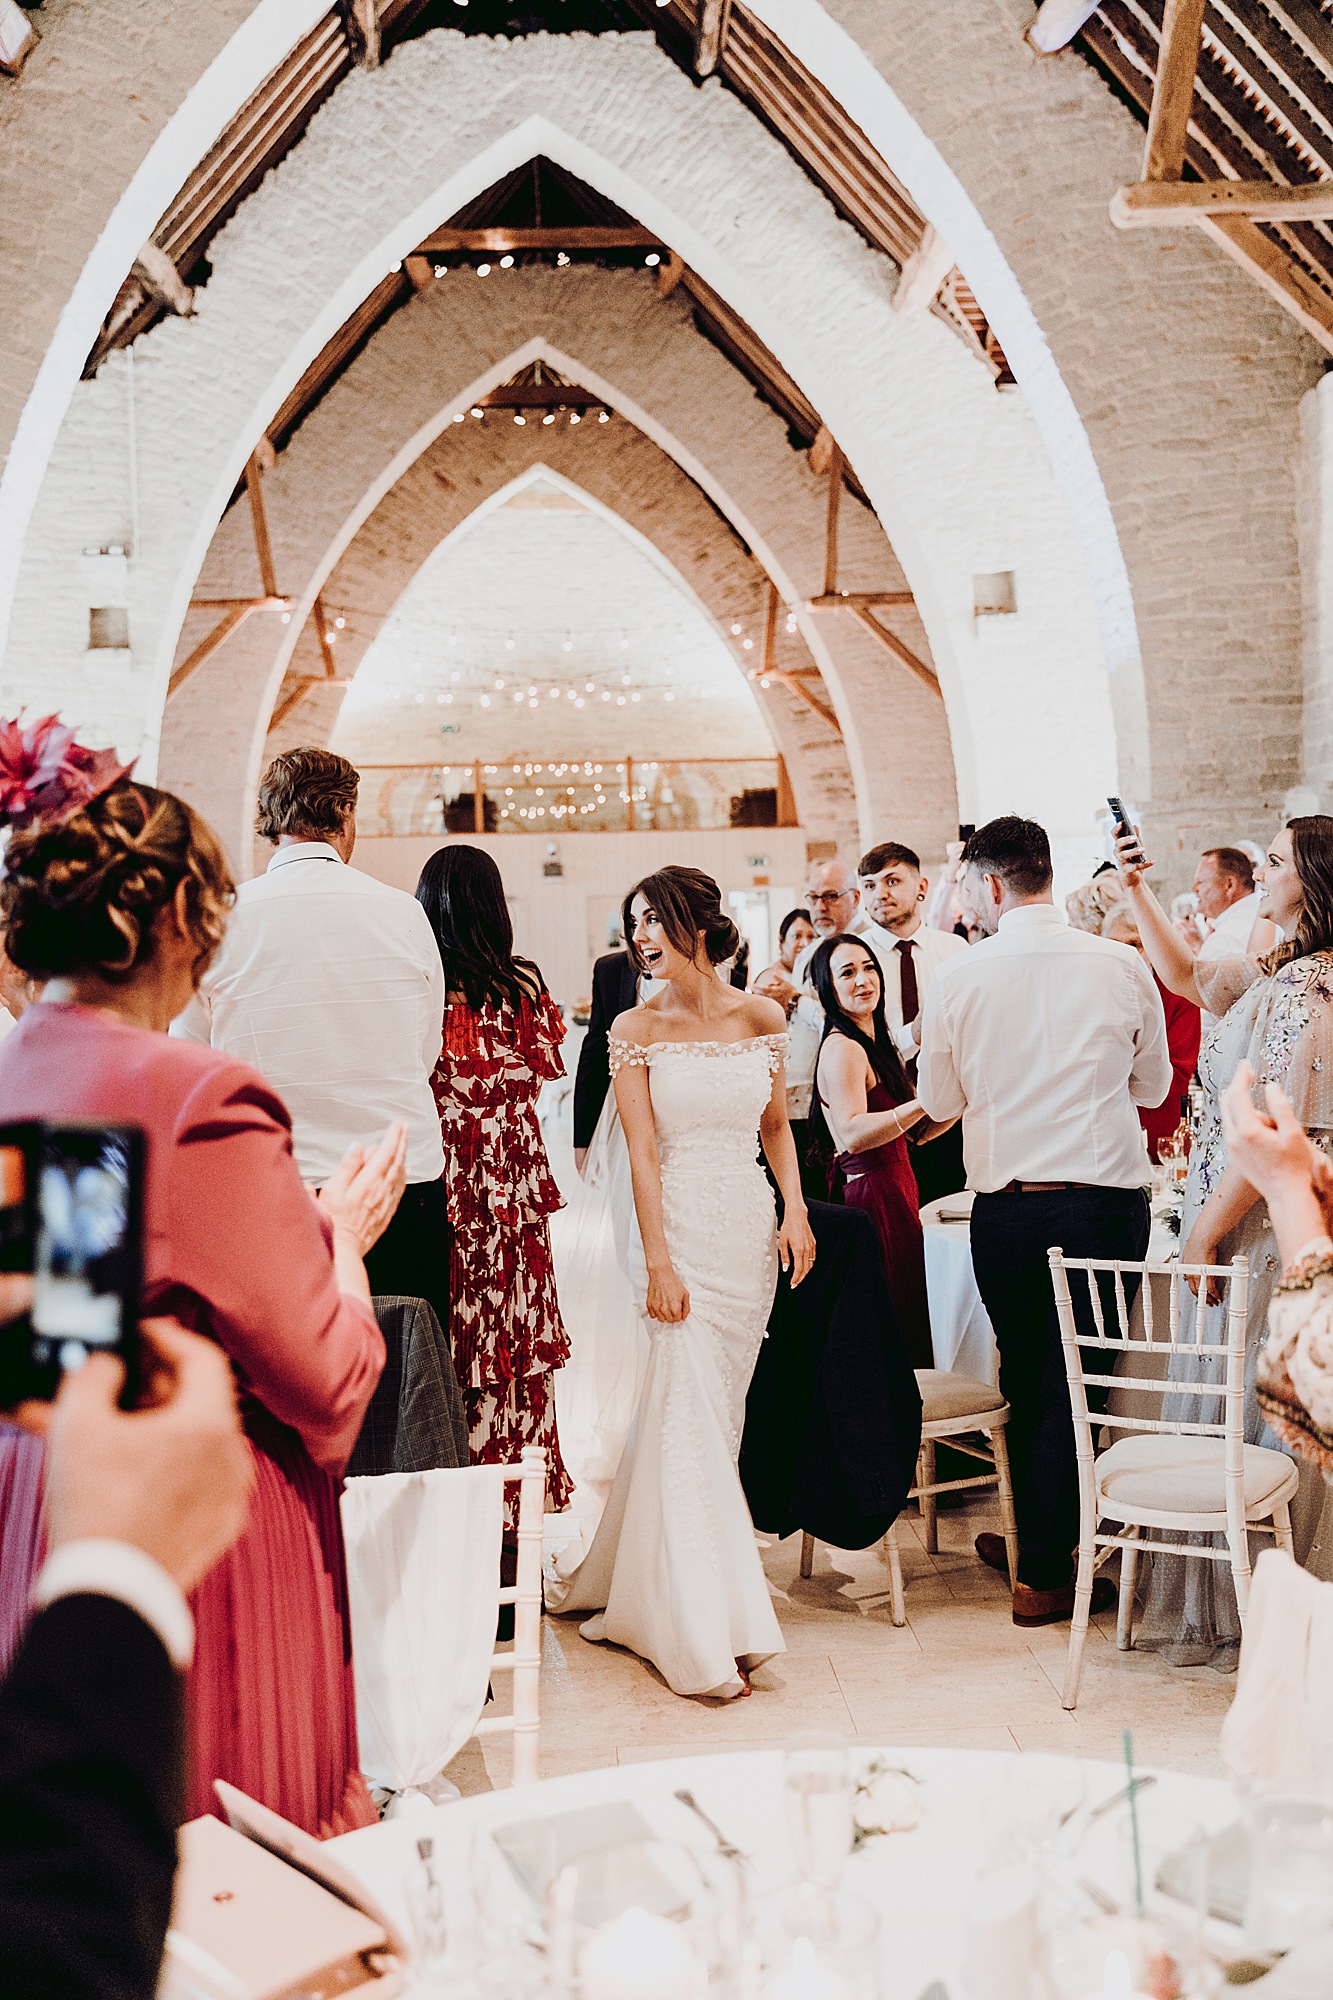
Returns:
<point x="862" y="604"/>
<point x="301" y="687"/>
<point x="797" y="679"/>
<point x="235" y="610"/>
<point x="1228" y="211"/>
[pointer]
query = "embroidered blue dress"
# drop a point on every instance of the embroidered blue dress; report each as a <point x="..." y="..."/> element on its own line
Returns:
<point x="1282" y="1025"/>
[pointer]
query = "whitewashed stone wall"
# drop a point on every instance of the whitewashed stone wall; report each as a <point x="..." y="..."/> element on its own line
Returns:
<point x="957" y="474"/>
<point x="1186" y="377"/>
<point x="116" y="106"/>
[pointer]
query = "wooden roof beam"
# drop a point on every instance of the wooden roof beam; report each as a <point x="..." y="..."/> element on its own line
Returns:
<point x="710" y="35"/>
<point x="851" y="600"/>
<point x="362" y="22"/>
<point x="1055" y="24"/>
<point x="572" y="236"/>
<point x="1173" y="92"/>
<point x="158" y="275"/>
<point x="298" y="692"/>
<point x="1162" y="204"/>
<point x="923" y="273"/>
<point x="862" y="604"/>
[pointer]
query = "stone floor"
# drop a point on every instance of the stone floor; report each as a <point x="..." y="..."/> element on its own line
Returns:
<point x="959" y="1673"/>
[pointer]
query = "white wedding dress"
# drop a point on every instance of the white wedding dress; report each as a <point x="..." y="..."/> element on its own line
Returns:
<point x="674" y="1572"/>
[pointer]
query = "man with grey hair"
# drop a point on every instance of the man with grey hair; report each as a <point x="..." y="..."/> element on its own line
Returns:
<point x="330" y="983"/>
<point x="834" y="902"/>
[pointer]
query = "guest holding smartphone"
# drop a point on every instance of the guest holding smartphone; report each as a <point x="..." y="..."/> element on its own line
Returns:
<point x="117" y="901"/>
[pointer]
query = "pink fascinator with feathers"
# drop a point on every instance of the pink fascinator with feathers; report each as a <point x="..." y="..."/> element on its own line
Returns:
<point x="45" y="774"/>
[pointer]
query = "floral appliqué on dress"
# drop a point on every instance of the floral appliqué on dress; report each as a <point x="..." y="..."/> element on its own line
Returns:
<point x="504" y="1317"/>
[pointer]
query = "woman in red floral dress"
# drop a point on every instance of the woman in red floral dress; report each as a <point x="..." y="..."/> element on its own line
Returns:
<point x="502" y="1037"/>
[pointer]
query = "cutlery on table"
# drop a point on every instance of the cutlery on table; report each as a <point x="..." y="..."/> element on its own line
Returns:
<point x="726" y="1847"/>
<point x="1118" y="1798"/>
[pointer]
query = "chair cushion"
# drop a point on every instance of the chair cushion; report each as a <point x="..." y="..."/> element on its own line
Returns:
<point x="946" y="1395"/>
<point x="1184" y="1475"/>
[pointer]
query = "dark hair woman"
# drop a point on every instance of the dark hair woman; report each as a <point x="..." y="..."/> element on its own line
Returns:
<point x="502" y="1037"/>
<point x="1274" y="1010"/>
<point x="863" y="1099"/>
<point x="118" y="905"/>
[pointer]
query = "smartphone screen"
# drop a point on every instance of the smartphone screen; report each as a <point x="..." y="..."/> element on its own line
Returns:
<point x="86" y="1265"/>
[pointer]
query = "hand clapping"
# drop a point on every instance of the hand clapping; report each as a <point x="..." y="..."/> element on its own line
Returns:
<point x="367" y="1187"/>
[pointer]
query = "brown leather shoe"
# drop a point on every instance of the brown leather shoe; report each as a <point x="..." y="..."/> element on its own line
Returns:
<point x="1052" y="1607"/>
<point x="992" y="1552"/>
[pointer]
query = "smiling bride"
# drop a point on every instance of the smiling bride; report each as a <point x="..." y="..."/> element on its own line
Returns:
<point x="674" y="1572"/>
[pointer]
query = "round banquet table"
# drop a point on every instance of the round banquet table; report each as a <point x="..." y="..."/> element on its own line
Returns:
<point x="920" y="1882"/>
<point x="960" y="1328"/>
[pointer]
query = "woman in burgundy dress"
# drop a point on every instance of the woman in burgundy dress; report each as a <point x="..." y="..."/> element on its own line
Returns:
<point x="118" y="906"/>
<point x="863" y="1098"/>
<point x="502" y="1036"/>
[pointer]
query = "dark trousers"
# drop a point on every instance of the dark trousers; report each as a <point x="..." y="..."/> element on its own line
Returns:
<point x="411" y="1259"/>
<point x="1011" y="1234"/>
<point x="938" y="1165"/>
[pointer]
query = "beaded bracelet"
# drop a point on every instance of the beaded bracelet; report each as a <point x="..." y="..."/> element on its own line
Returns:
<point x="1301" y="1276"/>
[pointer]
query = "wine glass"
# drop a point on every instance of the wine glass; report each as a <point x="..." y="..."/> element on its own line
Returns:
<point x="819" y="1788"/>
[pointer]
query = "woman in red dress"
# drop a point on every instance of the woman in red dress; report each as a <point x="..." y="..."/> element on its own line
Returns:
<point x="118" y="906"/>
<point x="863" y="1097"/>
<point x="502" y="1036"/>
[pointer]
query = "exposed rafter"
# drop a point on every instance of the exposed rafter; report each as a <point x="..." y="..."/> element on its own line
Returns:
<point x="862" y="604"/>
<point x="710" y="35"/>
<point x="1238" y="99"/>
<point x="796" y="679"/>
<point x="235" y="610"/>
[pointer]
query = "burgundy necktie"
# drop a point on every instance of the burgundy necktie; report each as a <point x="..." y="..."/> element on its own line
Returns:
<point x="911" y="997"/>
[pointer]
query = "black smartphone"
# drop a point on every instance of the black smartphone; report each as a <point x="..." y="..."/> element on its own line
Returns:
<point x="71" y="1212"/>
<point x="1126" y="827"/>
<point x="966" y="829"/>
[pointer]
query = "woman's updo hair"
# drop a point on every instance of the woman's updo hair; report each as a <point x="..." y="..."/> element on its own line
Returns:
<point x="80" y="894"/>
<point x="687" y="903"/>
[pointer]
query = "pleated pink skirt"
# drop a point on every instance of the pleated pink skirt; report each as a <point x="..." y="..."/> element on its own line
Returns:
<point x="270" y="1701"/>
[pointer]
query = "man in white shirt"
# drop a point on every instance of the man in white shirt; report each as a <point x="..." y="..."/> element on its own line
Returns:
<point x="834" y="903"/>
<point x="1228" y="898"/>
<point x="330" y="983"/>
<point x="1044" y="1040"/>
<point x="893" y="897"/>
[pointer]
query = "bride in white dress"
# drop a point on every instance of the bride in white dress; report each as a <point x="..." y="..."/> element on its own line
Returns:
<point x="674" y="1572"/>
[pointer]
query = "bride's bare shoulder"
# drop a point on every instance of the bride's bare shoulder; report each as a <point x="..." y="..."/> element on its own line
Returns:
<point x="762" y="1017"/>
<point x="632" y="1026"/>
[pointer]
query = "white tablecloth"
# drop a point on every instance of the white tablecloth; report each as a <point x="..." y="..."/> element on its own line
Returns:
<point x="960" y="1327"/>
<point x="921" y="1882"/>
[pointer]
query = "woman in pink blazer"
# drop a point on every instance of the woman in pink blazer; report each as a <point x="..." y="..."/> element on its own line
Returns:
<point x="118" y="906"/>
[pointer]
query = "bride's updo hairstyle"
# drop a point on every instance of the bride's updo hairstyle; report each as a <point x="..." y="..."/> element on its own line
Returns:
<point x="80" y="894"/>
<point x="688" y="904"/>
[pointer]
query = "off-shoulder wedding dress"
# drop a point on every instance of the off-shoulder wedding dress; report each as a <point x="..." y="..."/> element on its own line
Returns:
<point x="674" y="1571"/>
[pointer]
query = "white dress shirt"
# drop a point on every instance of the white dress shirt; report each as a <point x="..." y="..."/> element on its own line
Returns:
<point x="930" y="949"/>
<point x="805" y="1028"/>
<point x="1229" y="938"/>
<point x="1045" y="1039"/>
<point x="1230" y="934"/>
<point x="330" y="984"/>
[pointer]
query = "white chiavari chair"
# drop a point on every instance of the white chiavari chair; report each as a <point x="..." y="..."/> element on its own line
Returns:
<point x="523" y="1662"/>
<point x="1193" y="1475"/>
